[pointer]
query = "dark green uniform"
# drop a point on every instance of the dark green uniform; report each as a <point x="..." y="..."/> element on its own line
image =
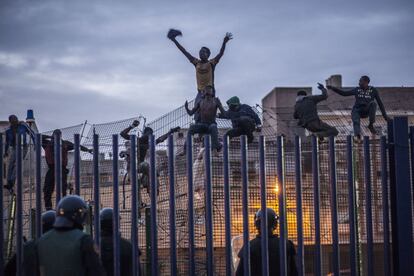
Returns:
<point x="29" y="264"/>
<point x="67" y="252"/>
<point x="107" y="255"/>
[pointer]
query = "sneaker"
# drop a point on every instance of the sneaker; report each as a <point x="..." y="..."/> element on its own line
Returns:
<point x="321" y="139"/>
<point x="357" y="138"/>
<point x="372" y="129"/>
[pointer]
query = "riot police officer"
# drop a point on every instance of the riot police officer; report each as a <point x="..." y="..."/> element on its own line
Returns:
<point x="273" y="248"/>
<point x="107" y="246"/>
<point x="48" y="218"/>
<point x="66" y="249"/>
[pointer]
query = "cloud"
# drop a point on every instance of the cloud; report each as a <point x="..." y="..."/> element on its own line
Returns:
<point x="102" y="60"/>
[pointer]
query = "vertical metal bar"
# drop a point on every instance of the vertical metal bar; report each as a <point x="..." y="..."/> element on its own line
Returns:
<point x="385" y="206"/>
<point x="19" y="209"/>
<point x="171" y="178"/>
<point x="77" y="163"/>
<point x="227" y="214"/>
<point x="115" y="225"/>
<point x="299" y="215"/>
<point x="154" y="184"/>
<point x="334" y="206"/>
<point x="209" y="206"/>
<point x="351" y="207"/>
<point x="191" y="246"/>
<point x="263" y="196"/>
<point x="368" y="204"/>
<point x="412" y="157"/>
<point x="245" y="206"/>
<point x="96" y="195"/>
<point x="403" y="262"/>
<point x="316" y="206"/>
<point x="38" y="161"/>
<point x="1" y="205"/>
<point x="58" y="165"/>
<point x="134" y="206"/>
<point x="282" y="204"/>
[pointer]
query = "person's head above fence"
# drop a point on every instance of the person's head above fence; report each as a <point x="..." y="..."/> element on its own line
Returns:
<point x="364" y="82"/>
<point x="48" y="219"/>
<point x="209" y="91"/>
<point x="106" y="219"/>
<point x="272" y="220"/>
<point x="301" y="93"/>
<point x="13" y="120"/>
<point x="71" y="212"/>
<point x="148" y="131"/>
<point x="233" y="103"/>
<point x="204" y="53"/>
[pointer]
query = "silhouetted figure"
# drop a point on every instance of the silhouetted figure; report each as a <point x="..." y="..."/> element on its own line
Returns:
<point x="207" y="109"/>
<point x="29" y="249"/>
<point x="273" y="249"/>
<point x="243" y="119"/>
<point x="204" y="66"/>
<point x="306" y="111"/>
<point x="365" y="106"/>
<point x="48" y="144"/>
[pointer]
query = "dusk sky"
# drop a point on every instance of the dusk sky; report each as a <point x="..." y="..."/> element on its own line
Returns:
<point x="102" y="61"/>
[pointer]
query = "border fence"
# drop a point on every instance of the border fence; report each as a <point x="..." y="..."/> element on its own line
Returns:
<point x="346" y="206"/>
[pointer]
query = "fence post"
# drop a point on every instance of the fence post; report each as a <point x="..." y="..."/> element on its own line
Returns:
<point x="263" y="196"/>
<point x="385" y="206"/>
<point x="96" y="195"/>
<point x="173" y="238"/>
<point x="2" y="210"/>
<point x="316" y="205"/>
<point x="245" y="206"/>
<point x="351" y="207"/>
<point x="134" y="208"/>
<point x="401" y="200"/>
<point x="282" y="202"/>
<point x="115" y="218"/>
<point x="334" y="206"/>
<point x="38" y="161"/>
<point x="227" y="214"/>
<point x="191" y="246"/>
<point x="209" y="206"/>
<point x="368" y="210"/>
<point x="58" y="165"/>
<point x="299" y="217"/>
<point x="77" y="163"/>
<point x="19" y="207"/>
<point x="153" y="195"/>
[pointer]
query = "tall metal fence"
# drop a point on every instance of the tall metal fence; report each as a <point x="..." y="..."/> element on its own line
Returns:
<point x="346" y="206"/>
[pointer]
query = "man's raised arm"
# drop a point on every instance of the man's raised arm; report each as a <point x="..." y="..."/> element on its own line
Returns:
<point x="172" y="34"/>
<point x="125" y="133"/>
<point x="342" y="92"/>
<point x="226" y="39"/>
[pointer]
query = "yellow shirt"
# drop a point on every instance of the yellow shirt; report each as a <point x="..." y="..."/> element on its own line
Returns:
<point x="204" y="73"/>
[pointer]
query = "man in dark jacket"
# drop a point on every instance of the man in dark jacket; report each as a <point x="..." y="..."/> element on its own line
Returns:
<point x="365" y="106"/>
<point x="48" y="144"/>
<point x="66" y="249"/>
<point x="48" y="219"/>
<point x="273" y="249"/>
<point x="243" y="119"/>
<point x="306" y="112"/>
<point x="107" y="246"/>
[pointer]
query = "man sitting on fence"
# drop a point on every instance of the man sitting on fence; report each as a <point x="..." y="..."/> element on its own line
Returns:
<point x="307" y="113"/>
<point x="365" y="106"/>
<point x="207" y="109"/>
<point x="243" y="119"/>
<point x="273" y="249"/>
<point x="48" y="144"/>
